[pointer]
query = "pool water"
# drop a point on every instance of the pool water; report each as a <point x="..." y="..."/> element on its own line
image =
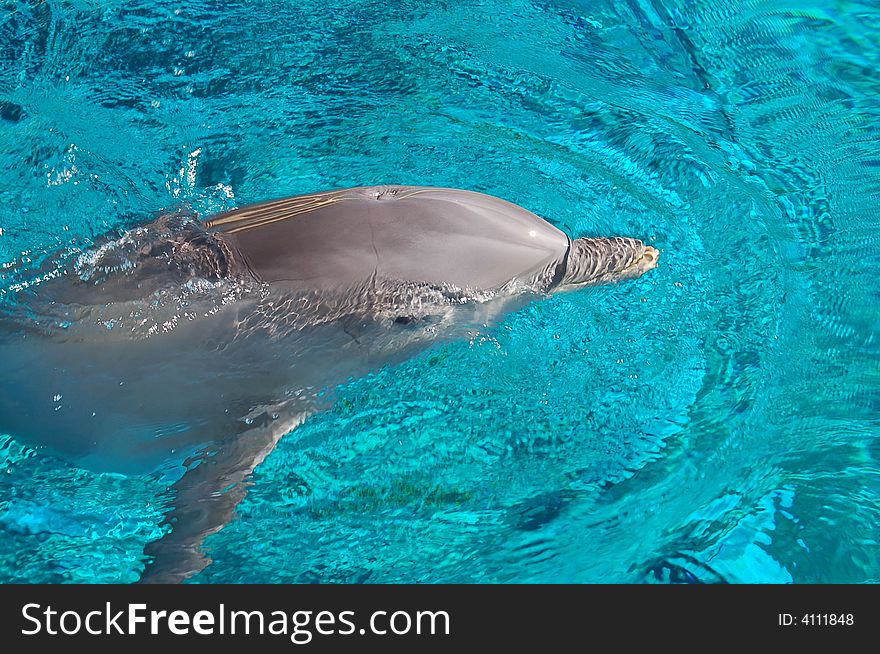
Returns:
<point x="715" y="420"/>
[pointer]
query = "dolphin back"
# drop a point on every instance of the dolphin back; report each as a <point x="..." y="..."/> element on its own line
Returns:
<point x="383" y="234"/>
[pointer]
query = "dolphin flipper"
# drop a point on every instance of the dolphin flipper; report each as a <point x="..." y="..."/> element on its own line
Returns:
<point x="205" y="497"/>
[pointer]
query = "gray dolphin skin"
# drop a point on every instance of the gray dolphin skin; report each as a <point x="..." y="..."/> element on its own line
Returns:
<point x="186" y="349"/>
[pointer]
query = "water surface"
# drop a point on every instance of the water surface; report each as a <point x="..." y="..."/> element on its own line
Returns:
<point x="716" y="420"/>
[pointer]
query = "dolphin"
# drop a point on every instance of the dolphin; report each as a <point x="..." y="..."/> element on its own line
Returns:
<point x="187" y="348"/>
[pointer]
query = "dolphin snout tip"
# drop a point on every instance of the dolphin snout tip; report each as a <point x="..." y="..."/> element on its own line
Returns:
<point x="649" y="258"/>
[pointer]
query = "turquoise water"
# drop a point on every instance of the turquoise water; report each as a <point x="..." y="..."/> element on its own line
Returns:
<point x="715" y="420"/>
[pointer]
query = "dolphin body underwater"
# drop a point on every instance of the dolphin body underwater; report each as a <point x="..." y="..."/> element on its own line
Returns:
<point x="193" y="346"/>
